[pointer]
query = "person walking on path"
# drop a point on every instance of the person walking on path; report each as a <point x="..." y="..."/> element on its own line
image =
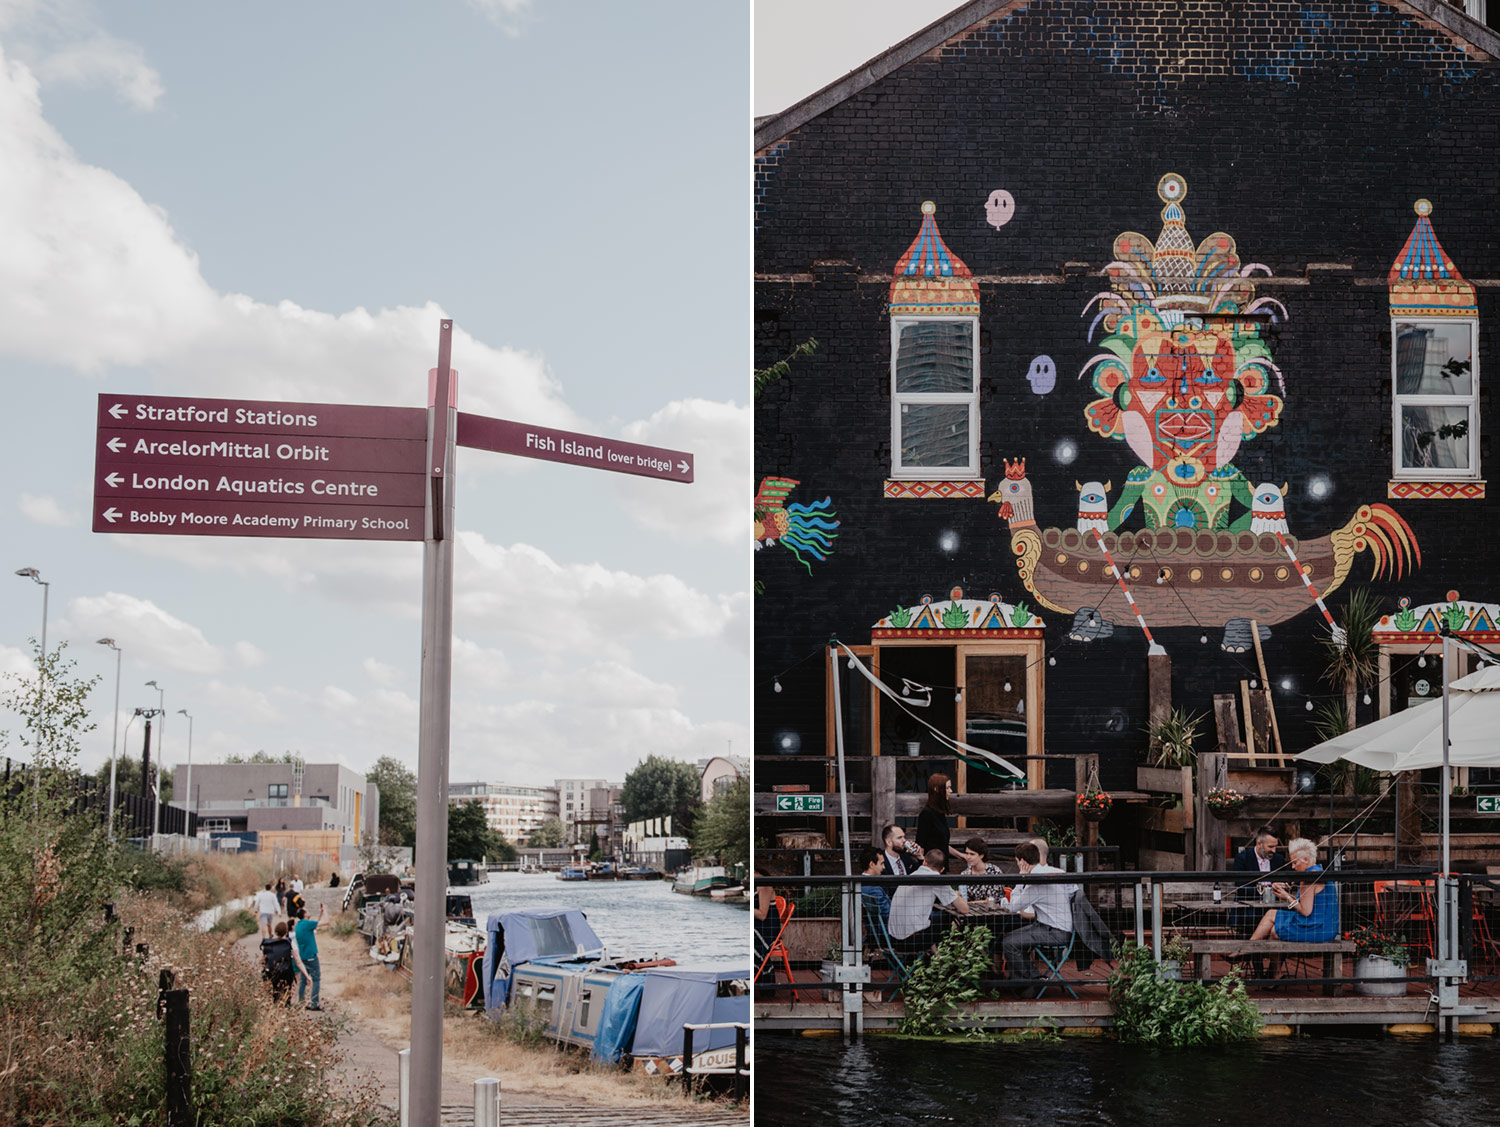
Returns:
<point x="281" y="893"/>
<point x="280" y="967"/>
<point x="305" y="934"/>
<point x="266" y="908"/>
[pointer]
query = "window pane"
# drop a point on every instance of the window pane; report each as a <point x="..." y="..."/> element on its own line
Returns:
<point x="934" y="434"/>
<point x="1435" y="438"/>
<point x="1434" y="360"/>
<point x="936" y="358"/>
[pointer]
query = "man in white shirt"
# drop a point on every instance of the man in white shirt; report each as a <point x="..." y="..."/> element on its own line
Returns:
<point x="296" y="884"/>
<point x="265" y="907"/>
<point x="1046" y="908"/>
<point x="911" y="926"/>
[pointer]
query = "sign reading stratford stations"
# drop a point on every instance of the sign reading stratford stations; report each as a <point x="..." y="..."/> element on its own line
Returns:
<point x="230" y="467"/>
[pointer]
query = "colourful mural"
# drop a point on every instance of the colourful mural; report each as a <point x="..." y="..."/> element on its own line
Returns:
<point x="1478" y="622"/>
<point x="1185" y="377"/>
<point x="999" y="208"/>
<point x="809" y="529"/>
<point x="959" y="618"/>
<point x="1042" y="375"/>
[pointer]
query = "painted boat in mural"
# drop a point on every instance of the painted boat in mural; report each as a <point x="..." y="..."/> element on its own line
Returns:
<point x="1193" y="577"/>
<point x="550" y="968"/>
<point x="701" y="878"/>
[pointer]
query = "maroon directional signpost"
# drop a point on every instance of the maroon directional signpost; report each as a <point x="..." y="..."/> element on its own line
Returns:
<point x="237" y="467"/>
<point x="234" y="467"/>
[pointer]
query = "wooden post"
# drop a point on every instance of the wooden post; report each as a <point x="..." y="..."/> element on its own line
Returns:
<point x="882" y="797"/>
<point x="179" y="1061"/>
<point x="1159" y="686"/>
<point x="1086" y="831"/>
<point x="1212" y="772"/>
<point x="1260" y="661"/>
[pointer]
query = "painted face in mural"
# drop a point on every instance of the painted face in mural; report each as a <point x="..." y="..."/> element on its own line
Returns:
<point x="1187" y="399"/>
<point x="999" y="208"/>
<point x="1042" y="375"/>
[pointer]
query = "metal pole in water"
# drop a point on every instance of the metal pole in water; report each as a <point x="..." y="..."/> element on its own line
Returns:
<point x="487" y="1102"/>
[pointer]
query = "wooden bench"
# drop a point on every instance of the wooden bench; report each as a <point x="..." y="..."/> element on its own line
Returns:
<point x="1333" y="953"/>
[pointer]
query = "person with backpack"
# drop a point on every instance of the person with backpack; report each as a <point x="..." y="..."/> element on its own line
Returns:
<point x="280" y="968"/>
<point x="294" y="903"/>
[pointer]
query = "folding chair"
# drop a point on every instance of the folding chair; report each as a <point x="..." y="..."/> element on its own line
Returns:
<point x="784" y="910"/>
<point x="881" y="938"/>
<point x="1054" y="957"/>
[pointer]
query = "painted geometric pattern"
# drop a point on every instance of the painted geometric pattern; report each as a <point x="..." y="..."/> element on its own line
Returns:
<point x="929" y="490"/>
<point x="959" y="617"/>
<point x="1480" y="621"/>
<point x="1436" y="490"/>
<point x="1423" y="280"/>
<point x="930" y="279"/>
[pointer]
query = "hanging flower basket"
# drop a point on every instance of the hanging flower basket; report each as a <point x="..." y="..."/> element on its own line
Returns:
<point x="1223" y="802"/>
<point x="1094" y="804"/>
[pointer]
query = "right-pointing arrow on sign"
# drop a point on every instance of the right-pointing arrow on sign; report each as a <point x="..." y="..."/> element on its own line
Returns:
<point x="683" y="466"/>
<point x="111" y="514"/>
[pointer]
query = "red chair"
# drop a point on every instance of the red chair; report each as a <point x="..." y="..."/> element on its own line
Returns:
<point x="1405" y="908"/>
<point x="784" y="910"/>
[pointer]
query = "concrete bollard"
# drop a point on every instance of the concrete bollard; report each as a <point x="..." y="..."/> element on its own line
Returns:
<point x="404" y="1056"/>
<point x="487" y="1102"/>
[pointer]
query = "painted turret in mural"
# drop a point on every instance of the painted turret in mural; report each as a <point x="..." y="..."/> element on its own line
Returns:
<point x="1185" y="377"/>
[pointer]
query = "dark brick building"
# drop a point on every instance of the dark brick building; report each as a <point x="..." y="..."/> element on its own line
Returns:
<point x="1197" y="291"/>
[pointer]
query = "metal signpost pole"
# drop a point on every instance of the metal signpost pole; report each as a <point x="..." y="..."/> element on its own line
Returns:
<point x="432" y="755"/>
<point x="114" y="742"/>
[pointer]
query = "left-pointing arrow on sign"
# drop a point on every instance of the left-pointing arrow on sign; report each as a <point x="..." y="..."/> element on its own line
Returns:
<point x="111" y="514"/>
<point x="114" y="479"/>
<point x="116" y="444"/>
<point x="119" y="410"/>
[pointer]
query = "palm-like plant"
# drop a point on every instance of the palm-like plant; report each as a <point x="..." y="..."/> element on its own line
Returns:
<point x="1172" y="738"/>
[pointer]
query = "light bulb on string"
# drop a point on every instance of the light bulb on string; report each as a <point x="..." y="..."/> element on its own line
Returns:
<point x="851" y="663"/>
<point x="958" y="696"/>
<point x="1422" y="662"/>
<point x="1052" y="661"/>
<point x="1309" y="706"/>
<point x="1203" y="638"/>
<point x="1254" y="684"/>
<point x="776" y="686"/>
<point x="1367" y="698"/>
<point x="1007" y="686"/>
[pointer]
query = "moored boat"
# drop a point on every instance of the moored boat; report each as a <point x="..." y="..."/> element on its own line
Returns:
<point x="701" y="878"/>
<point x="573" y="872"/>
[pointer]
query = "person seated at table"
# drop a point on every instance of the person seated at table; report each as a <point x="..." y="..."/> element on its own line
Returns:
<point x="901" y="857"/>
<point x="1263" y="855"/>
<point x="975" y="855"/>
<point x="911" y="924"/>
<point x="876" y="899"/>
<point x="1046" y="909"/>
<point x="1311" y="914"/>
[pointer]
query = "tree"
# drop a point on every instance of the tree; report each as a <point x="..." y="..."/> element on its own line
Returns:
<point x="723" y="828"/>
<point x="398" y="800"/>
<point x="262" y="756"/>
<point x="469" y="835"/>
<point x="658" y="787"/>
<point x="594" y="851"/>
<point x="128" y="776"/>
<point x="551" y="834"/>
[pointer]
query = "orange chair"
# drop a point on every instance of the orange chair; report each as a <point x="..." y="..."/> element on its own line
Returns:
<point x="784" y="910"/>
<point x="1405" y="907"/>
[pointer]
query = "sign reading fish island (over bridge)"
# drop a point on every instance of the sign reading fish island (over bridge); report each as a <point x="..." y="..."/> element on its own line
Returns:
<point x="594" y="452"/>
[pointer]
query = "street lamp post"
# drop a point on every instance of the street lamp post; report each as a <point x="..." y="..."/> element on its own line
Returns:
<point x="35" y="576"/>
<point x="161" y="731"/>
<point x="188" y="782"/>
<point x="114" y="740"/>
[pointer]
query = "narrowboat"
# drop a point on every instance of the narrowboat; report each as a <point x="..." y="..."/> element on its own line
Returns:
<point x="573" y="872"/>
<point x="463" y="959"/>
<point x="701" y="877"/>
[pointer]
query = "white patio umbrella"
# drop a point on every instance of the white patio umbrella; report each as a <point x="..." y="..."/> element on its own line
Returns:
<point x="1413" y="740"/>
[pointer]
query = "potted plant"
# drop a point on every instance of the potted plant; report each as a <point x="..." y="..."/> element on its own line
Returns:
<point x="1172" y="738"/>
<point x="1094" y="803"/>
<point x="1224" y="802"/>
<point x="1175" y="954"/>
<point x="1378" y="954"/>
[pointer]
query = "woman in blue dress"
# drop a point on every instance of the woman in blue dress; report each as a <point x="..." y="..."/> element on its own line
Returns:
<point x="1311" y="914"/>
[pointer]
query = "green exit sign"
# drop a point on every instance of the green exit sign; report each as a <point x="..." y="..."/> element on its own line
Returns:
<point x="799" y="803"/>
<point x="1487" y="804"/>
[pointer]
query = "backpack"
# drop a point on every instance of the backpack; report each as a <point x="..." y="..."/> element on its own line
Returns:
<point x="294" y="903"/>
<point x="278" y="956"/>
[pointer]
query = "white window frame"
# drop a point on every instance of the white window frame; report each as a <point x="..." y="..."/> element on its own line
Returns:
<point x="913" y="473"/>
<point x="1470" y="401"/>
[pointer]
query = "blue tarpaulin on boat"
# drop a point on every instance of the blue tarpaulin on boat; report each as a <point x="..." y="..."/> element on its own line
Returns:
<point x="617" y="1022"/>
<point x="514" y="938"/>
<point x="671" y="999"/>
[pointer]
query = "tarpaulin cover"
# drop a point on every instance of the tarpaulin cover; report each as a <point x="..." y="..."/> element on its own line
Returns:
<point x="617" y="1022"/>
<point x="671" y="999"/>
<point x="527" y="936"/>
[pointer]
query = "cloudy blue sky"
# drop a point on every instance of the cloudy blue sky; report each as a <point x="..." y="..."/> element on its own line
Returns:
<point x="279" y="202"/>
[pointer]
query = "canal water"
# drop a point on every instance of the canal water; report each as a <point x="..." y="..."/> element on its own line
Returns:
<point x="1310" y="1082"/>
<point x="643" y="917"/>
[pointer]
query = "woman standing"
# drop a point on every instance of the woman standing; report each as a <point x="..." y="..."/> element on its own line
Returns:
<point x="932" y="822"/>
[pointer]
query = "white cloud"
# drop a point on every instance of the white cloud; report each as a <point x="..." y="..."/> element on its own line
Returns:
<point x="380" y="673"/>
<point x="103" y="60"/>
<point x="148" y="634"/>
<point x="234" y="701"/>
<point x="508" y="15"/>
<point x="717" y="506"/>
<point x="44" y="510"/>
<point x="248" y="654"/>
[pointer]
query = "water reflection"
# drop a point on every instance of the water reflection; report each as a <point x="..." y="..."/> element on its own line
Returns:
<point x="1328" y="1082"/>
<point x="644" y="917"/>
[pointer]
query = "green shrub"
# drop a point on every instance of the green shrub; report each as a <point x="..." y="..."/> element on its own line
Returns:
<point x="1162" y="1012"/>
<point x="236" y="924"/>
<point x="944" y="980"/>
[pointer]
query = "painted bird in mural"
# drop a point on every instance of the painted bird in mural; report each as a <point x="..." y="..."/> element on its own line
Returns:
<point x="1193" y="577"/>
<point x="809" y="529"/>
<point x="1268" y="508"/>
<point x="1093" y="506"/>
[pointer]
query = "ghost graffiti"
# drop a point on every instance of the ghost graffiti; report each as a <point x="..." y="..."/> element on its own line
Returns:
<point x="1042" y="375"/>
<point x="999" y="208"/>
